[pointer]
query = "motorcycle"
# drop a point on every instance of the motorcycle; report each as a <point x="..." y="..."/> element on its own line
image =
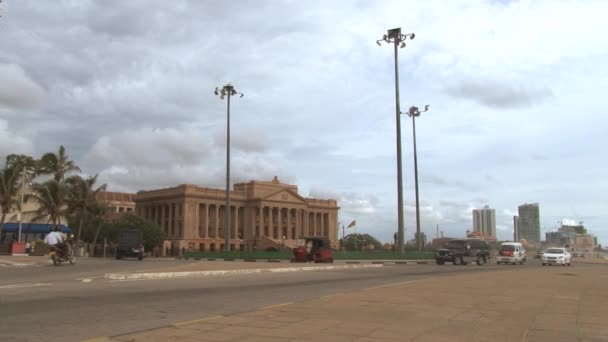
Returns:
<point x="59" y="255"/>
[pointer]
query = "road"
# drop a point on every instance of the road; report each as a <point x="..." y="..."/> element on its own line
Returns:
<point x="54" y="304"/>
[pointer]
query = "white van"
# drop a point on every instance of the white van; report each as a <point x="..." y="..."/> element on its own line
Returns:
<point x="511" y="253"/>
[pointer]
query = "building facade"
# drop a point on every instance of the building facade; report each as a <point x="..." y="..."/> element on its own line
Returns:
<point x="118" y="202"/>
<point x="529" y="222"/>
<point x="484" y="221"/>
<point x="263" y="215"/>
<point x="516" y="228"/>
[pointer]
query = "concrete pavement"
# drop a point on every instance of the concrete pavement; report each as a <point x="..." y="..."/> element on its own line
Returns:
<point x="541" y="304"/>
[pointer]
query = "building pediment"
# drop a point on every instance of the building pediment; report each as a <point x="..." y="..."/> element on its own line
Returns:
<point x="285" y="195"/>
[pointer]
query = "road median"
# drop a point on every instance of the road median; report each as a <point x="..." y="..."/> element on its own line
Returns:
<point x="194" y="274"/>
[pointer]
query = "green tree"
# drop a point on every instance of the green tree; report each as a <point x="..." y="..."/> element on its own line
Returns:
<point x="357" y="242"/>
<point x="152" y="233"/>
<point x="51" y="197"/>
<point x="9" y="187"/>
<point x="82" y="198"/>
<point x="100" y="212"/>
<point x="58" y="164"/>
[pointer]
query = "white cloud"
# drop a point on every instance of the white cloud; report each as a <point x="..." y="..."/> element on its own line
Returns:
<point x="18" y="89"/>
<point x="13" y="143"/>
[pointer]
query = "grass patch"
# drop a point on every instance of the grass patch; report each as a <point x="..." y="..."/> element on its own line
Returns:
<point x="338" y="255"/>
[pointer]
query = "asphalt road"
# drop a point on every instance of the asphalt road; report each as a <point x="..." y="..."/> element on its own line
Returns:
<point x="56" y="305"/>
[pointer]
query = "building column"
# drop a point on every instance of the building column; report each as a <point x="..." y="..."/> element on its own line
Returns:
<point x="280" y="220"/>
<point x="235" y="230"/>
<point x="306" y="217"/>
<point x="289" y="232"/>
<point x="164" y="218"/>
<point x="217" y="221"/>
<point x="206" y="223"/>
<point x="270" y="223"/>
<point x="260" y="222"/>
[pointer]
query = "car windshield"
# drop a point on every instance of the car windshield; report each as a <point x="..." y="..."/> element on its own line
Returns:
<point x="507" y="248"/>
<point x="554" y="251"/>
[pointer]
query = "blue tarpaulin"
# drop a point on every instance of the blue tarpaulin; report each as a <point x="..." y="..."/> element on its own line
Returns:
<point x="35" y="228"/>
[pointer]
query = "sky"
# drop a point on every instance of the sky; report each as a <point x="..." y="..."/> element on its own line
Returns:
<point x="516" y="92"/>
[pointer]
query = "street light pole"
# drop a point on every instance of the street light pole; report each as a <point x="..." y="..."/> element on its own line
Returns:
<point x="21" y="204"/>
<point x="227" y="91"/>
<point x="20" y="217"/>
<point x="395" y="36"/>
<point x="413" y="113"/>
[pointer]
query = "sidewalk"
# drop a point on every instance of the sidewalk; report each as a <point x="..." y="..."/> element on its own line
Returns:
<point x="546" y="304"/>
<point x="25" y="260"/>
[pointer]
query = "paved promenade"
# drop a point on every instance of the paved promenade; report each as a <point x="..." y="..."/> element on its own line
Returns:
<point x="545" y="304"/>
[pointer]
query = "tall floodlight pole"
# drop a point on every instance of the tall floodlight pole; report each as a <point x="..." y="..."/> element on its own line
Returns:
<point x="227" y="91"/>
<point x="24" y="174"/>
<point x="413" y="113"/>
<point x="395" y="36"/>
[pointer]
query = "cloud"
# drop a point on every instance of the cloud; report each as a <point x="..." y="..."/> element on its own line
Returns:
<point x="499" y="95"/>
<point x="12" y="143"/>
<point x="18" y="90"/>
<point x="127" y="87"/>
<point x="155" y="148"/>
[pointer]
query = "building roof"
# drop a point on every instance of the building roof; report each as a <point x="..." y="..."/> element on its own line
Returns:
<point x="116" y="196"/>
<point x="12" y="227"/>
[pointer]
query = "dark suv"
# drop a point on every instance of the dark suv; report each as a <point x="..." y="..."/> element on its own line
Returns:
<point x="463" y="251"/>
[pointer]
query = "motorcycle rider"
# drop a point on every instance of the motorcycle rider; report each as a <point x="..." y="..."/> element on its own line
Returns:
<point x="55" y="239"/>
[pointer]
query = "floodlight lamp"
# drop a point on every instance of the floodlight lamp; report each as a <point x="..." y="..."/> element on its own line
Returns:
<point x="402" y="45"/>
<point x="412" y="36"/>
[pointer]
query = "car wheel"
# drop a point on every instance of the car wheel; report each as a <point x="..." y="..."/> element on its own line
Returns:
<point x="544" y="264"/>
<point x="457" y="260"/>
<point x="439" y="262"/>
<point x="498" y="263"/>
<point x="481" y="260"/>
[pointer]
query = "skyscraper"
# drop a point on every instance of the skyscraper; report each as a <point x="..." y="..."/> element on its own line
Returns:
<point x="484" y="221"/>
<point x="529" y="222"/>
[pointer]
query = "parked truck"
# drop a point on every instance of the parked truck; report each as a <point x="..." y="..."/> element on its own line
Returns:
<point x="130" y="244"/>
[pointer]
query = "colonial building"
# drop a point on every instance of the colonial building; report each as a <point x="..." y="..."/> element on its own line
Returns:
<point x="263" y="215"/>
<point x="118" y="202"/>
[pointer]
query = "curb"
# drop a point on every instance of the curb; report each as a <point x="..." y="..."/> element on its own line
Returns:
<point x="193" y="274"/>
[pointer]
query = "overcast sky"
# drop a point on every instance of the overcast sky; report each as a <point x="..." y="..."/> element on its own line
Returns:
<point x="517" y="93"/>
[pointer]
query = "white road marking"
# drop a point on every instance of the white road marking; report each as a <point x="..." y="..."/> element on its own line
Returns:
<point x="15" y="286"/>
<point x="88" y="279"/>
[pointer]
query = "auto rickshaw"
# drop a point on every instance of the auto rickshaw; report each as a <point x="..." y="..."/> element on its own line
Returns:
<point x="315" y="249"/>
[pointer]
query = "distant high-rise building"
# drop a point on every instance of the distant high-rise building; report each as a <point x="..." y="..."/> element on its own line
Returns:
<point x="528" y="222"/>
<point x="515" y="228"/>
<point x="484" y="221"/>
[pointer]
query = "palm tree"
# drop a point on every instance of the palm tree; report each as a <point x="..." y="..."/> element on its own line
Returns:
<point x="82" y="198"/>
<point x="52" y="200"/>
<point x="9" y="187"/>
<point x="58" y="164"/>
<point x="100" y="211"/>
